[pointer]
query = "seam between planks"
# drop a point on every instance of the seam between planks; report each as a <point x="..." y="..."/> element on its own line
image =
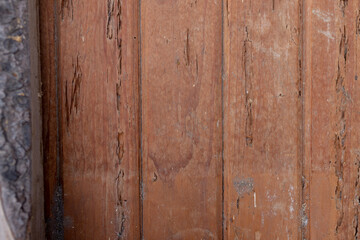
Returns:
<point x="222" y="127"/>
<point x="58" y="198"/>
<point x="141" y="182"/>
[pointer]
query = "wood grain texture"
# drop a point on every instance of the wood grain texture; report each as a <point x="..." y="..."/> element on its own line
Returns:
<point x="262" y="119"/>
<point x="48" y="94"/>
<point x="181" y="119"/>
<point x="331" y="111"/>
<point x="37" y="177"/>
<point x="201" y="119"/>
<point x="99" y="119"/>
<point x="91" y="50"/>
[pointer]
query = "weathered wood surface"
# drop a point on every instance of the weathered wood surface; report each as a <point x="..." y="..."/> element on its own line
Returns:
<point x="91" y="118"/>
<point x="331" y="170"/>
<point x="181" y="119"/>
<point x="49" y="118"/>
<point x="262" y="119"/>
<point x="201" y="119"/>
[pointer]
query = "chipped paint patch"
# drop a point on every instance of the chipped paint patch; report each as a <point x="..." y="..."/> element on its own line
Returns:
<point x="243" y="186"/>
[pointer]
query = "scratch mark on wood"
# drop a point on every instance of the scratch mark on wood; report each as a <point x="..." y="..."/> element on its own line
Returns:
<point x="120" y="207"/>
<point x="121" y="210"/>
<point x="357" y="197"/>
<point x="227" y="13"/>
<point x="118" y="95"/>
<point x="119" y="22"/>
<point x="358" y="22"/>
<point x="110" y="13"/>
<point x="187" y="49"/>
<point x="340" y="135"/>
<point x="74" y="92"/>
<point x="247" y="60"/>
<point x="120" y="146"/>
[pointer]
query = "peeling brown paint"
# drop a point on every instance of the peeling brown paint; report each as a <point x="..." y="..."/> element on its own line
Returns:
<point x="340" y="135"/>
<point x="243" y="186"/>
<point x="247" y="61"/>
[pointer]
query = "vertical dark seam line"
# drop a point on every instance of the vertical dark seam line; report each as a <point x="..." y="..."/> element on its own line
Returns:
<point x="57" y="96"/>
<point x="302" y="117"/>
<point x="222" y="125"/>
<point x="58" y="198"/>
<point x="141" y="189"/>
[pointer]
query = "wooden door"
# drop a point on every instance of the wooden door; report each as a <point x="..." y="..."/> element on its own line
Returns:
<point x="200" y="119"/>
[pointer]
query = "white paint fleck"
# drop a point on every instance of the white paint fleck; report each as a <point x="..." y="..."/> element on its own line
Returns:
<point x="327" y="34"/>
<point x="292" y="201"/>
<point x="326" y="17"/>
<point x="254" y="199"/>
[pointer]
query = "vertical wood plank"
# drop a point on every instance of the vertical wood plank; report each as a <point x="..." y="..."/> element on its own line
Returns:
<point x="354" y="153"/>
<point x="49" y="126"/>
<point x="262" y="119"/>
<point x="95" y="64"/>
<point x="319" y="177"/>
<point x="37" y="177"/>
<point x="331" y="150"/>
<point x="181" y="119"/>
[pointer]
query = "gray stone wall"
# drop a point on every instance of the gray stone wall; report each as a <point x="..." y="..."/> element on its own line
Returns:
<point x="15" y="119"/>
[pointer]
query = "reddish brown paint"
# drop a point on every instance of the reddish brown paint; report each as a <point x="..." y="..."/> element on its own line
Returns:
<point x="49" y="126"/>
<point x="262" y="120"/>
<point x="181" y="116"/>
<point x="97" y="75"/>
<point x="176" y="115"/>
<point x="331" y="161"/>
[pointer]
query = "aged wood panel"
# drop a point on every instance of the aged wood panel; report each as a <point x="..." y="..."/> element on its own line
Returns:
<point x="49" y="126"/>
<point x="181" y="119"/>
<point x="234" y="121"/>
<point x="262" y="119"/>
<point x="90" y="66"/>
<point x="37" y="177"/>
<point x="331" y="173"/>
